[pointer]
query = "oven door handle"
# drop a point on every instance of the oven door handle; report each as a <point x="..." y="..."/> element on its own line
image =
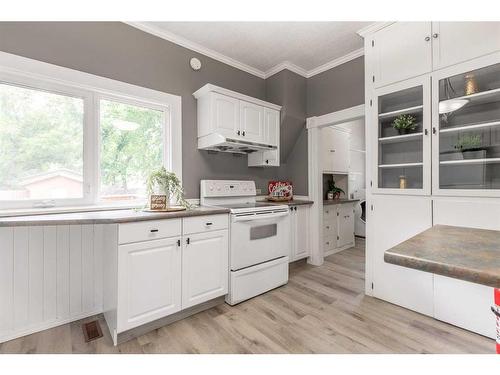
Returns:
<point x="254" y="217"/>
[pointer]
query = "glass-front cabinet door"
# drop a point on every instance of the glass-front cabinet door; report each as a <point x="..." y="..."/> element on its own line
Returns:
<point x="466" y="127"/>
<point x="403" y="142"/>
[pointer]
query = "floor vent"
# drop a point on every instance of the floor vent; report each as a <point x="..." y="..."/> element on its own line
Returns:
<point x="92" y="331"/>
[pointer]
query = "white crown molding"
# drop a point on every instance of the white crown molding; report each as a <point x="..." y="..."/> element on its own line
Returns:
<point x="195" y="47"/>
<point x="146" y="27"/>
<point x="370" y="29"/>
<point x="334" y="63"/>
<point x="286" y="65"/>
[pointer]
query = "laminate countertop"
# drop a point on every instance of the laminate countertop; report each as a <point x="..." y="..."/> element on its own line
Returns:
<point x="329" y="202"/>
<point x="105" y="217"/>
<point x="462" y="253"/>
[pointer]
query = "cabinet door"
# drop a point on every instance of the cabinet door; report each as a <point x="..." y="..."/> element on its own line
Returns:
<point x="272" y="126"/>
<point x="149" y="281"/>
<point x="466" y="136"/>
<point x="300" y="232"/>
<point x="341" y="151"/>
<point x="252" y="122"/>
<point x="345" y="225"/>
<point x="395" y="219"/>
<point x="402" y="157"/>
<point x="401" y="51"/>
<point x="455" y="42"/>
<point x="327" y="149"/>
<point x="225" y="115"/>
<point x="204" y="267"/>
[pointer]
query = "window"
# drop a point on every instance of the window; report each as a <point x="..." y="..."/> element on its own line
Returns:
<point x="69" y="138"/>
<point x="132" y="144"/>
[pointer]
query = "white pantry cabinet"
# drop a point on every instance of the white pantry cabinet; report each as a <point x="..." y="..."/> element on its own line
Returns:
<point x="299" y="232"/>
<point x="335" y="150"/>
<point x="204" y="267"/>
<point x="149" y="281"/>
<point x="404" y="50"/>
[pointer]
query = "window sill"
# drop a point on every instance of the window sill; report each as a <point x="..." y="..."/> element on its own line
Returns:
<point x="69" y="209"/>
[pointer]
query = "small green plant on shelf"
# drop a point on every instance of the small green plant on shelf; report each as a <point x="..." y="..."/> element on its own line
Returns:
<point x="469" y="146"/>
<point x="405" y="124"/>
<point x="334" y="191"/>
<point x="166" y="183"/>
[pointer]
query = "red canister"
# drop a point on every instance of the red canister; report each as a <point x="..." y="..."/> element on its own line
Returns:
<point x="496" y="310"/>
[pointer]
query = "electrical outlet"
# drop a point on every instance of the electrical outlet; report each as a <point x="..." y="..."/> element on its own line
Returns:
<point x="258" y="191"/>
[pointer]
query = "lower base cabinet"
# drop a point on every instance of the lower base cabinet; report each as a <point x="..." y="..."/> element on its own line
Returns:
<point x="205" y="262"/>
<point x="299" y="232"/>
<point x="158" y="268"/>
<point x="149" y="281"/>
<point x="338" y="227"/>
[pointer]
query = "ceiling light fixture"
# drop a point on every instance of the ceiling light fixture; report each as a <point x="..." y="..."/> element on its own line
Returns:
<point x="451" y="105"/>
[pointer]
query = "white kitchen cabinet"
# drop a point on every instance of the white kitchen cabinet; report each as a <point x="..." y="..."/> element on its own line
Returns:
<point x="271" y="126"/>
<point x="299" y="232"/>
<point x="338" y="227"/>
<point x="400" y="51"/>
<point x="345" y="225"/>
<point x="455" y="42"/>
<point x="252" y="122"/>
<point x="335" y="150"/>
<point x="204" y="267"/>
<point x="395" y="219"/>
<point x="225" y="116"/>
<point x="149" y="281"/>
<point x="264" y="159"/>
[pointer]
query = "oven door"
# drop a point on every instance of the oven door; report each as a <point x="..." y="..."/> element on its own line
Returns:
<point x="258" y="237"/>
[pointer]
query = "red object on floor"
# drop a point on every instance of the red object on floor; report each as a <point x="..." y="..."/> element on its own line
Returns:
<point x="497" y="307"/>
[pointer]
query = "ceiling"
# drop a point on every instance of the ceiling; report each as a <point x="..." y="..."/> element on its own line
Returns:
<point x="264" y="48"/>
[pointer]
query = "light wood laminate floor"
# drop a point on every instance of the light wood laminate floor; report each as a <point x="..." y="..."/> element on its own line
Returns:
<point x="321" y="310"/>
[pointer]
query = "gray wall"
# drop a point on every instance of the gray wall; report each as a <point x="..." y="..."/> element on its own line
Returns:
<point x="335" y="89"/>
<point x="118" y="51"/>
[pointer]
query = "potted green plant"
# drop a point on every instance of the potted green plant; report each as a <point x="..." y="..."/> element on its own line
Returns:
<point x="162" y="188"/>
<point x="470" y="146"/>
<point x="405" y="124"/>
<point x="334" y="191"/>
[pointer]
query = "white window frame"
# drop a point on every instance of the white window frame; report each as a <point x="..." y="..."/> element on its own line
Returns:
<point x="21" y="71"/>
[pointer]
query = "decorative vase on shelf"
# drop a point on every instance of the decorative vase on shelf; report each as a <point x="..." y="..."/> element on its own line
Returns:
<point x="330" y="195"/>
<point x="471" y="86"/>
<point x="403" y="182"/>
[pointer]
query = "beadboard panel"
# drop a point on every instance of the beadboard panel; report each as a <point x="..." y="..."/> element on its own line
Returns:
<point x="48" y="275"/>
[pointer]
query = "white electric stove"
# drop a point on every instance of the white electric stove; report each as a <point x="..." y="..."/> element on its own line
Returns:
<point x="259" y="238"/>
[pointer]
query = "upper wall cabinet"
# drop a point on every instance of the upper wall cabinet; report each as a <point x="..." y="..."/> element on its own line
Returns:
<point x="401" y="50"/>
<point x="232" y="122"/>
<point x="405" y="50"/>
<point x="335" y="150"/>
<point x="455" y="42"/>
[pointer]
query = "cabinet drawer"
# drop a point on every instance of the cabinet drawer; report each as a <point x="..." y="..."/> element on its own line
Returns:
<point x="329" y="229"/>
<point x="329" y="212"/>
<point x="200" y="224"/>
<point x="329" y="243"/>
<point x="148" y="230"/>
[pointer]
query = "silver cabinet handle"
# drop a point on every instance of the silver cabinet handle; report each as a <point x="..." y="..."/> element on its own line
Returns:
<point x="427" y="38"/>
<point x="435" y="35"/>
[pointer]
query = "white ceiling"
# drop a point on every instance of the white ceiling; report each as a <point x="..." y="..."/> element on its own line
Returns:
<point x="264" y="48"/>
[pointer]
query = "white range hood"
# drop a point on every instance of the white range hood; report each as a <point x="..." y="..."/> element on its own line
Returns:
<point x="220" y="143"/>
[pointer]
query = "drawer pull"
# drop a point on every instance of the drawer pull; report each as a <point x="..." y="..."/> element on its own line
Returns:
<point x="327" y="227"/>
<point x="154" y="230"/>
<point x="208" y="224"/>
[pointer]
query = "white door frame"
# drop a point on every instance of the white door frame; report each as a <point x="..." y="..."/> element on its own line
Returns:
<point x="314" y="167"/>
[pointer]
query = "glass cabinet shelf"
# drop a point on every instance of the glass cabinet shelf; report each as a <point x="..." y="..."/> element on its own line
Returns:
<point x="469" y="130"/>
<point x="401" y="112"/>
